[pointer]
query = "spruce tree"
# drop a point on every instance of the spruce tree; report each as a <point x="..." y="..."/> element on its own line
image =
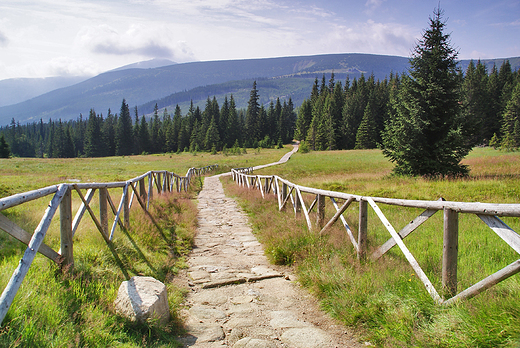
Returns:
<point x="124" y="137"/>
<point x="252" y="113"/>
<point x="426" y="134"/>
<point x="5" y="152"/>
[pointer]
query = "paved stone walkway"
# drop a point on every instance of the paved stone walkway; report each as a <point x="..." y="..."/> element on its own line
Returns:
<point x="237" y="298"/>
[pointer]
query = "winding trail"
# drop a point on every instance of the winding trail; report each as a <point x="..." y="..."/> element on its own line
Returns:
<point x="237" y="298"/>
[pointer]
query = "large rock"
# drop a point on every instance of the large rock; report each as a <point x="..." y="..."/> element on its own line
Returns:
<point x="143" y="299"/>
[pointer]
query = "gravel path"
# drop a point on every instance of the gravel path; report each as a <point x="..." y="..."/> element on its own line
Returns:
<point x="237" y="298"/>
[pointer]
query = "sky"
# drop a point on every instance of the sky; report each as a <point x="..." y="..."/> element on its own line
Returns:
<point x="40" y="38"/>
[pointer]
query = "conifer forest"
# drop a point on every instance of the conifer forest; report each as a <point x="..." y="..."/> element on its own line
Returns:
<point x="337" y="115"/>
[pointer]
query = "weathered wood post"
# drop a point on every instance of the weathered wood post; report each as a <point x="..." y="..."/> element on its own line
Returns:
<point x="450" y="251"/>
<point x="103" y="209"/>
<point x="126" y="207"/>
<point x="297" y="205"/>
<point x="142" y="190"/>
<point x="284" y="194"/>
<point x="150" y="190"/>
<point x="320" y="203"/>
<point x="158" y="183"/>
<point x="362" y="231"/>
<point x="67" y="251"/>
<point x="168" y="182"/>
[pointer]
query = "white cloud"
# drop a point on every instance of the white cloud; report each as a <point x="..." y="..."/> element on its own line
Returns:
<point x="148" y="41"/>
<point x="372" y="37"/>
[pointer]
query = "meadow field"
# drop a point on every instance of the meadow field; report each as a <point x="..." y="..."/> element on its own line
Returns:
<point x="56" y="308"/>
<point x="384" y="300"/>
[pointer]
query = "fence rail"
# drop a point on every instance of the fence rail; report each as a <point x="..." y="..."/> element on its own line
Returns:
<point x="140" y="189"/>
<point x="489" y="213"/>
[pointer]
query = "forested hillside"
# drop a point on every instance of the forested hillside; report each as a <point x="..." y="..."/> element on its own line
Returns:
<point x="353" y="114"/>
<point x="337" y="115"/>
<point x="215" y="128"/>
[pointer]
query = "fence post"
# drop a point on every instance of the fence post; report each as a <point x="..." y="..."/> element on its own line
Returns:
<point x="450" y="251"/>
<point x="320" y="219"/>
<point x="126" y="207"/>
<point x="362" y="231"/>
<point x="66" y="230"/>
<point x="284" y="194"/>
<point x="142" y="190"/>
<point x="103" y="210"/>
<point x="150" y="190"/>
<point x="297" y="204"/>
<point x="159" y="183"/>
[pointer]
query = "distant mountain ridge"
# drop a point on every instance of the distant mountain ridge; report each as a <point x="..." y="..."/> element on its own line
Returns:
<point x="179" y="83"/>
<point x="16" y="90"/>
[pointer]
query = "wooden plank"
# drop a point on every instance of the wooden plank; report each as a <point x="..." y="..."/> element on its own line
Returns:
<point x="337" y="215"/>
<point x="34" y="244"/>
<point x="91" y="212"/>
<point x="103" y="210"/>
<point x="17" y="199"/>
<point x="362" y="230"/>
<point x="415" y="265"/>
<point x="67" y="245"/>
<point x="450" y="251"/>
<point x="23" y="236"/>
<point x="486" y="283"/>
<point x="502" y="230"/>
<point x="126" y="207"/>
<point x="412" y="226"/>
<point x="81" y="210"/>
<point x="121" y="204"/>
<point x="141" y="202"/>
<point x="344" y="221"/>
<point x="302" y="203"/>
<point x="150" y="190"/>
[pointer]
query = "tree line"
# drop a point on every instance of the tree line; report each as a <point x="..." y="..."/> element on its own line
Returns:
<point x="215" y="128"/>
<point x="353" y="114"/>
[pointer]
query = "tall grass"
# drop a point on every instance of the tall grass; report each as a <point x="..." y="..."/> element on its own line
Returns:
<point x="384" y="300"/>
<point x="56" y="308"/>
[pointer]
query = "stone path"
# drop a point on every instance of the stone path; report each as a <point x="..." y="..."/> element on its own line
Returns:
<point x="237" y="299"/>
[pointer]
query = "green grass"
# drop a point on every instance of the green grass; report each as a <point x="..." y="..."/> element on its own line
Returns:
<point x="62" y="309"/>
<point x="384" y="300"/>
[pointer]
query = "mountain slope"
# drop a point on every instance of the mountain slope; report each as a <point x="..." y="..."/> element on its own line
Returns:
<point x="17" y="90"/>
<point x="139" y="86"/>
<point x="179" y="83"/>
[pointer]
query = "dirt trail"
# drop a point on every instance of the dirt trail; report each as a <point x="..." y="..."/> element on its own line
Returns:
<point x="237" y="298"/>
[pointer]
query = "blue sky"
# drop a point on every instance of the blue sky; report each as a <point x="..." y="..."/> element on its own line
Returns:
<point x="71" y="37"/>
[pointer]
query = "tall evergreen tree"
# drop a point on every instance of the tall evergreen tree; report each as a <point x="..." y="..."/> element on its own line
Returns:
<point x="252" y="113"/>
<point x="426" y="135"/>
<point x="124" y="137"/>
<point x="5" y="151"/>
<point x="93" y="139"/>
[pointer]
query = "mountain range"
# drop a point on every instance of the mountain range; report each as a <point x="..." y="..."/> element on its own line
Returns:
<point x="167" y="84"/>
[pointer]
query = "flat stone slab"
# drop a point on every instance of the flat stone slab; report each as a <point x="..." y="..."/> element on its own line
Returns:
<point x="249" y="342"/>
<point x="203" y="312"/>
<point x="308" y="337"/>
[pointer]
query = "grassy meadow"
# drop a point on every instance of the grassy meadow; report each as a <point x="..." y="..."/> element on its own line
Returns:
<point x="56" y="308"/>
<point x="384" y="300"/>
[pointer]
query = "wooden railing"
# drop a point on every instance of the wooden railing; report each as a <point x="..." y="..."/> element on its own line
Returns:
<point x="489" y="213"/>
<point x="140" y="189"/>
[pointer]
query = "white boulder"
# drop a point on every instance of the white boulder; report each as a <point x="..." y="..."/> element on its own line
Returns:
<point x="143" y="299"/>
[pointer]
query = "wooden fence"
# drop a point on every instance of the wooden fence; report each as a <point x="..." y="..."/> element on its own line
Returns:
<point x="489" y="213"/>
<point x="140" y="189"/>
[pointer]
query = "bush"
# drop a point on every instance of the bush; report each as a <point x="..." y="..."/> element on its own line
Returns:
<point x="304" y="148"/>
